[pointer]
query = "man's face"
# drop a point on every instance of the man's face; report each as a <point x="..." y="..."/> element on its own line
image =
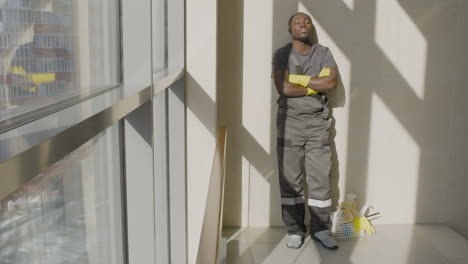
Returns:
<point x="301" y="27"/>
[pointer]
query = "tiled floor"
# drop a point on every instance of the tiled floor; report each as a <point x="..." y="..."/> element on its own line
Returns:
<point x="393" y="244"/>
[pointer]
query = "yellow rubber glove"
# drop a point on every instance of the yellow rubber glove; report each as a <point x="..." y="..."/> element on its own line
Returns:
<point x="324" y="72"/>
<point x="361" y="223"/>
<point x="302" y="80"/>
<point x="311" y="91"/>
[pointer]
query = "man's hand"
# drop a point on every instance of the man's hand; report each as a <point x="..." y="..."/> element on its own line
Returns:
<point x="310" y="91"/>
<point x="286" y="88"/>
<point x="303" y="80"/>
<point x="293" y="85"/>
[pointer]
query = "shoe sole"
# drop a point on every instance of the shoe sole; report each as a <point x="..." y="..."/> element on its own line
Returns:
<point x="325" y="246"/>
<point x="294" y="247"/>
<point x="302" y="243"/>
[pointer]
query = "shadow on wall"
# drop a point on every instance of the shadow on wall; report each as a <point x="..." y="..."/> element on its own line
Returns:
<point x="139" y="119"/>
<point x="200" y="103"/>
<point x="229" y="97"/>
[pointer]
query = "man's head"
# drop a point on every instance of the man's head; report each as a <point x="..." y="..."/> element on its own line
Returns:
<point x="301" y="27"/>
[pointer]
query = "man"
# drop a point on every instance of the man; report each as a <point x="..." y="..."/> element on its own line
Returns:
<point x="303" y="73"/>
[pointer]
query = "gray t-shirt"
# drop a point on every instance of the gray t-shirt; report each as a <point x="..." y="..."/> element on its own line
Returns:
<point x="311" y="63"/>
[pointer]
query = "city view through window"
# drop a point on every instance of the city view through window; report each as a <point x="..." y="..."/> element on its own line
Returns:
<point x="51" y="50"/>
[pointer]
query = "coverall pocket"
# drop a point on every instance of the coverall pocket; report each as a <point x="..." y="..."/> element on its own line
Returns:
<point x="287" y="143"/>
<point x="325" y="132"/>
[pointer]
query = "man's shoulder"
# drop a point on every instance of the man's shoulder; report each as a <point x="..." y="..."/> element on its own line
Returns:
<point x="321" y="48"/>
<point x="281" y="57"/>
<point x="286" y="49"/>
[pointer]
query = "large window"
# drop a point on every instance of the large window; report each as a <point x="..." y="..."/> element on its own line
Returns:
<point x="55" y="56"/>
<point x="52" y="50"/>
<point x="69" y="70"/>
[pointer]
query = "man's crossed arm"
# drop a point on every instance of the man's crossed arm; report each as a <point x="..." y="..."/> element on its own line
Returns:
<point x="301" y="85"/>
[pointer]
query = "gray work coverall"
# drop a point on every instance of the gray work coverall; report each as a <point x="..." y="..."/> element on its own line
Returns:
<point x="303" y="124"/>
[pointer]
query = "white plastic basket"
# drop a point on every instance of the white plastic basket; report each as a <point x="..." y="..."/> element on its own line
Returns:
<point x="345" y="230"/>
<point x="341" y="229"/>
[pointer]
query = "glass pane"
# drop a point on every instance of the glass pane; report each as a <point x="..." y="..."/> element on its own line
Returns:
<point x="51" y="50"/>
<point x="72" y="213"/>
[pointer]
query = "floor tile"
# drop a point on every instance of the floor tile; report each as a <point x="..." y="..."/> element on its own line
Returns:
<point x="274" y="253"/>
<point x="401" y="244"/>
<point x="241" y="242"/>
<point x="238" y="255"/>
<point x="309" y="254"/>
<point x="393" y="244"/>
<point x="231" y="233"/>
<point x="261" y="235"/>
<point x="441" y="237"/>
<point x="346" y="253"/>
<point x="458" y="261"/>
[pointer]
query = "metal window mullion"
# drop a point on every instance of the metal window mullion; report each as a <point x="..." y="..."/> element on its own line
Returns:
<point x="41" y="156"/>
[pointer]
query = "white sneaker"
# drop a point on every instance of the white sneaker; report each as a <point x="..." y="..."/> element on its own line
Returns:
<point x="325" y="239"/>
<point x="294" y="241"/>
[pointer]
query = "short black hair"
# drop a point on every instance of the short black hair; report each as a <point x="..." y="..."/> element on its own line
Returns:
<point x="295" y="14"/>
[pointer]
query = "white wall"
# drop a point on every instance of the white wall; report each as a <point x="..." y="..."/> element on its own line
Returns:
<point x="399" y="109"/>
<point x="457" y="143"/>
<point x="201" y="111"/>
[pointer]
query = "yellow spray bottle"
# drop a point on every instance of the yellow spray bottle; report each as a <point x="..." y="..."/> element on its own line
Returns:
<point x="348" y="208"/>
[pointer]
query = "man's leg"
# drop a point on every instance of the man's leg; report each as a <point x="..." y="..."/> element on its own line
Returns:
<point x="318" y="166"/>
<point x="290" y="164"/>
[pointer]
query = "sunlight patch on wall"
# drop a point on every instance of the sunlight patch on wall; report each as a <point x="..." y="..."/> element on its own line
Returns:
<point x="402" y="42"/>
<point x="200" y="140"/>
<point x="257" y="93"/>
<point x="349" y="4"/>
<point x="263" y="194"/>
<point x="201" y="45"/>
<point x="393" y="170"/>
